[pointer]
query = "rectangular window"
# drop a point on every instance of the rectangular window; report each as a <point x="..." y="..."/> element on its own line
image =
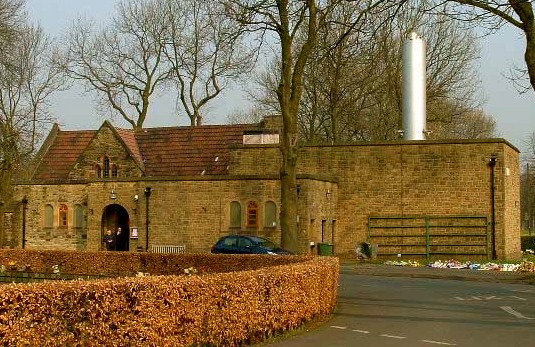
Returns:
<point x="106" y="169"/>
<point x="252" y="215"/>
<point x="63" y="215"/>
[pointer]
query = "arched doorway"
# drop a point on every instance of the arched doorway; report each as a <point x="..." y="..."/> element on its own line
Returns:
<point x="114" y="217"/>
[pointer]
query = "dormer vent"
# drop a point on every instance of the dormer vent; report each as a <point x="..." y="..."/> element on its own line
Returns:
<point x="260" y="138"/>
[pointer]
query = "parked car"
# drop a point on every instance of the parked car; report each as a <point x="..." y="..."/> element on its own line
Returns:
<point x="247" y="244"/>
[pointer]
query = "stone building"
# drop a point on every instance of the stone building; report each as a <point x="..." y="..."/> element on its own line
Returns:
<point x="189" y="186"/>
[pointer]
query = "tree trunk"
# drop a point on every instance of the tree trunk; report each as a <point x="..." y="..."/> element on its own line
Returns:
<point x="289" y="95"/>
<point x="289" y="210"/>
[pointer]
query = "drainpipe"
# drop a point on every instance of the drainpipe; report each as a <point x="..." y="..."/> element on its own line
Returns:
<point x="492" y="163"/>
<point x="24" y="206"/>
<point x="148" y="191"/>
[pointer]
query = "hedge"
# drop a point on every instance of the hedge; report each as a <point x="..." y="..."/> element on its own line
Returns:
<point x="215" y="309"/>
<point x="128" y="264"/>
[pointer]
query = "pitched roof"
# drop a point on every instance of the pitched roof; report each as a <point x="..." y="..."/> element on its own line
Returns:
<point x="188" y="151"/>
<point x="161" y="152"/>
<point x="129" y="139"/>
<point x="62" y="154"/>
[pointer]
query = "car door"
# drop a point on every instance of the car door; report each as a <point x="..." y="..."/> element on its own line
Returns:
<point x="229" y="245"/>
<point x="245" y="245"/>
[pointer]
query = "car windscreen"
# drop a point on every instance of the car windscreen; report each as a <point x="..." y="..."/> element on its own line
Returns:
<point x="265" y="243"/>
<point x="231" y="241"/>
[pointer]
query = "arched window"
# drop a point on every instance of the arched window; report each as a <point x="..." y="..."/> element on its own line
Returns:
<point x="49" y="216"/>
<point x="235" y="214"/>
<point x="63" y="215"/>
<point x="252" y="214"/>
<point x="114" y="172"/>
<point x="106" y="170"/>
<point x="270" y="215"/>
<point x="78" y="216"/>
<point x="98" y="171"/>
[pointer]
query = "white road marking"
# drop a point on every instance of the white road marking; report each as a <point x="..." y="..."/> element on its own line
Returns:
<point x="490" y="297"/>
<point x="439" y="343"/>
<point x="338" y="327"/>
<point x="393" y="336"/>
<point x="470" y="298"/>
<point x="442" y="343"/>
<point x="517" y="314"/>
<point x="518" y="298"/>
<point x="523" y="290"/>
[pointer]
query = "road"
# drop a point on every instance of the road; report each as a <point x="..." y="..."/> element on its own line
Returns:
<point x="401" y="311"/>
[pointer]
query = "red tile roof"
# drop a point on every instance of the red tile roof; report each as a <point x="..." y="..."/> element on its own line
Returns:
<point x="63" y="154"/>
<point x="189" y="150"/>
<point x="162" y="152"/>
<point x="130" y="141"/>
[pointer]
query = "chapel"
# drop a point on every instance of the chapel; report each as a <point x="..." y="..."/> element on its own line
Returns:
<point x="188" y="186"/>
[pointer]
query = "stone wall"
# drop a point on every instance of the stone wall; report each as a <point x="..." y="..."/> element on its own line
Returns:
<point x="339" y="188"/>
<point x="410" y="178"/>
<point x="511" y="203"/>
<point x="107" y="142"/>
<point x="39" y="235"/>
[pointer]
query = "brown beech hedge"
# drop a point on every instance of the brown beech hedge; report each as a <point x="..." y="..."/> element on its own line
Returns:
<point x="231" y="301"/>
<point x="128" y="264"/>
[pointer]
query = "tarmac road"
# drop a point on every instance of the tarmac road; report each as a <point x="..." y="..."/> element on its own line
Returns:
<point x="382" y="305"/>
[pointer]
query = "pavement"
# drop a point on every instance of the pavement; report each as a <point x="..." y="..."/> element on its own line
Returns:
<point x="438" y="273"/>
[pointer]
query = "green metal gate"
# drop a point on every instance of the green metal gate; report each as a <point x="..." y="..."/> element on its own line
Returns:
<point x="428" y="236"/>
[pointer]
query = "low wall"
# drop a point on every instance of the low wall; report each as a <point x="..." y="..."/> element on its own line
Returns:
<point x="217" y="309"/>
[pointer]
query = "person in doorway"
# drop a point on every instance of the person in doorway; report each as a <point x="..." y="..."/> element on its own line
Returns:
<point x="108" y="240"/>
<point x="118" y="238"/>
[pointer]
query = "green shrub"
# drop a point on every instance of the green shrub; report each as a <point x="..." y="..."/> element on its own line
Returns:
<point x="527" y="242"/>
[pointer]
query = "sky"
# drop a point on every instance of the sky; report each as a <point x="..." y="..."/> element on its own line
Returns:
<point x="514" y="113"/>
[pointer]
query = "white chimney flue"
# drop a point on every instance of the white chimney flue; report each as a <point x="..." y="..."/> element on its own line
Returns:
<point x="414" y="86"/>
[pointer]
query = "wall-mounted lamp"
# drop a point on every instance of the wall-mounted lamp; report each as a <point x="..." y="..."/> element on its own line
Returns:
<point x="493" y="159"/>
<point x="328" y="193"/>
<point x="113" y="194"/>
<point x="136" y="198"/>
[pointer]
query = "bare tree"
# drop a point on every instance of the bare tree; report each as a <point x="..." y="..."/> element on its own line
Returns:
<point x="151" y="45"/>
<point x="27" y="80"/>
<point x="206" y="51"/>
<point x="451" y="78"/>
<point x="285" y="19"/>
<point x="468" y="123"/>
<point x="250" y="115"/>
<point x="352" y="89"/>
<point x="124" y="62"/>
<point x="493" y="14"/>
<point x="12" y="18"/>
<point x="294" y="25"/>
